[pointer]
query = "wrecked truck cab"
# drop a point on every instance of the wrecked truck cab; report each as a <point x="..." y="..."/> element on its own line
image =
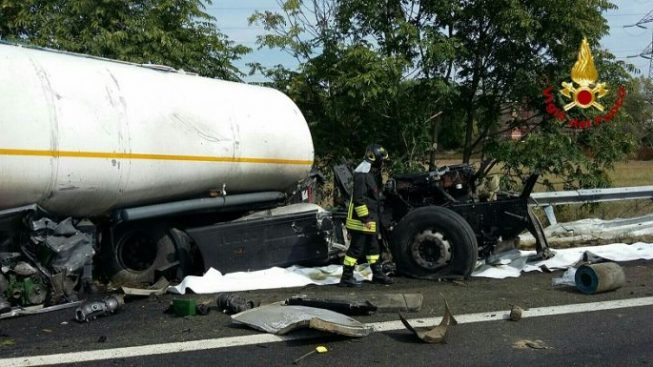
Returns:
<point x="435" y="224"/>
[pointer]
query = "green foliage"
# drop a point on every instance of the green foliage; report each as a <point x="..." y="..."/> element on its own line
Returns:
<point x="380" y="71"/>
<point x="177" y="33"/>
<point x="403" y="73"/>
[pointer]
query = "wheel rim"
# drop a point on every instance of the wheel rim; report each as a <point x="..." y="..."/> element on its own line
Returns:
<point x="431" y="250"/>
<point x="136" y="252"/>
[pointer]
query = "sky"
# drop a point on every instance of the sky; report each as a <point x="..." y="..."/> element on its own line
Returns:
<point x="232" y="17"/>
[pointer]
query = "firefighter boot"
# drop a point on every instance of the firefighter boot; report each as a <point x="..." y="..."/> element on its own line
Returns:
<point x="347" y="279"/>
<point x="378" y="276"/>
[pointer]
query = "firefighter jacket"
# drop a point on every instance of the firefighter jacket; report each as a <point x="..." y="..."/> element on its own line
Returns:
<point x="365" y="203"/>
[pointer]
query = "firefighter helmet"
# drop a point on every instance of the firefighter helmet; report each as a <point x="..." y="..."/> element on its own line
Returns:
<point x="376" y="154"/>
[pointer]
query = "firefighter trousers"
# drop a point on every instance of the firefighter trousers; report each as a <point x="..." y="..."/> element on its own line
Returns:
<point x="363" y="244"/>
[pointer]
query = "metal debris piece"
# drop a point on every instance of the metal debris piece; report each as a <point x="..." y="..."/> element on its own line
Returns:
<point x="89" y="311"/>
<point x="353" y="304"/>
<point x="34" y="310"/>
<point x="231" y="303"/>
<point x="157" y="289"/>
<point x="516" y="313"/>
<point x="320" y="349"/>
<point x="345" y="305"/>
<point x="599" y="278"/>
<point x="279" y="319"/>
<point x="533" y="344"/>
<point x="436" y="334"/>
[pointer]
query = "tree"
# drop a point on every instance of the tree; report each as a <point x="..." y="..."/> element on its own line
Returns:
<point x="639" y="111"/>
<point x="177" y="33"/>
<point x="468" y="62"/>
<point x="351" y="93"/>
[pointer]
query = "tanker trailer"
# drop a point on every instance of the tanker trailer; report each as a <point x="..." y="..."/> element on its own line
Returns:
<point x="138" y="149"/>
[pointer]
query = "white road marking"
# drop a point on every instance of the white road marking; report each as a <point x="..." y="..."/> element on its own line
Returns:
<point x="237" y="341"/>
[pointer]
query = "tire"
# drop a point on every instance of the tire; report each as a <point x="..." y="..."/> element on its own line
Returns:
<point x="137" y="251"/>
<point x="433" y="243"/>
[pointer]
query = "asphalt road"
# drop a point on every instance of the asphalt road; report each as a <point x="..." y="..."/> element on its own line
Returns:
<point x="619" y="336"/>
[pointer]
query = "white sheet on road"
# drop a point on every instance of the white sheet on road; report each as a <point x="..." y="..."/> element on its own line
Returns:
<point x="566" y="258"/>
<point x="296" y="276"/>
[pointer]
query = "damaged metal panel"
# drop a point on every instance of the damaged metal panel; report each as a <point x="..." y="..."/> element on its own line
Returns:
<point x="262" y="243"/>
<point x="279" y="319"/>
<point x="436" y="334"/>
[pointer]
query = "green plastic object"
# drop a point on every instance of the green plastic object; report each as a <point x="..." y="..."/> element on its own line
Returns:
<point x="184" y="307"/>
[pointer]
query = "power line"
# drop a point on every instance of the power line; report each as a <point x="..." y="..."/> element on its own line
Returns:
<point x="647" y="53"/>
<point x="646" y="19"/>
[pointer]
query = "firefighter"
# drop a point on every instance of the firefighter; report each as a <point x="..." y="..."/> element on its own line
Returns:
<point x="363" y="218"/>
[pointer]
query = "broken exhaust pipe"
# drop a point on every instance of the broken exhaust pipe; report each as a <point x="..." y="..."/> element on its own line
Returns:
<point x="89" y="311"/>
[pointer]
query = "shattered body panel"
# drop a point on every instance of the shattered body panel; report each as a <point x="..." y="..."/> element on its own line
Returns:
<point x="279" y="319"/>
<point x="423" y="245"/>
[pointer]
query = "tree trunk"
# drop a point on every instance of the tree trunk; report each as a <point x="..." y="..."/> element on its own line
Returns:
<point x="433" y="164"/>
<point x="469" y="123"/>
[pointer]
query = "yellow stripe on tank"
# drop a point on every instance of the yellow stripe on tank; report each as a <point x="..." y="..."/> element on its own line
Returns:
<point x="145" y="156"/>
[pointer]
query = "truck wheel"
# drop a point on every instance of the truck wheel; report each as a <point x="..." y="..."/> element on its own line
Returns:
<point x="434" y="242"/>
<point x="138" y="251"/>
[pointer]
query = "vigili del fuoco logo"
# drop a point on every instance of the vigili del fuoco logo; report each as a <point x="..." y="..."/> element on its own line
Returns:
<point x="583" y="92"/>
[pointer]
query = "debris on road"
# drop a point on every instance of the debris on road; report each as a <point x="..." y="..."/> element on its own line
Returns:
<point x="566" y="258"/>
<point x="203" y="308"/>
<point x="7" y="342"/>
<point x="280" y="319"/>
<point x="516" y="313"/>
<point x="181" y="307"/>
<point x="320" y="349"/>
<point x="434" y="335"/>
<point x="342" y="304"/>
<point x="353" y="304"/>
<point x="231" y="303"/>
<point x="89" y="311"/>
<point x="597" y="278"/>
<point x="157" y="289"/>
<point x="34" y="310"/>
<point x="532" y="344"/>
<point x="567" y="279"/>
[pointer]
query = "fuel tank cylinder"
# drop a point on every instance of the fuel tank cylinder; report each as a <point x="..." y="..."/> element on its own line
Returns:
<point x="81" y="135"/>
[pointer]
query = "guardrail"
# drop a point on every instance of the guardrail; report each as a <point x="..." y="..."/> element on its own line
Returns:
<point x="550" y="199"/>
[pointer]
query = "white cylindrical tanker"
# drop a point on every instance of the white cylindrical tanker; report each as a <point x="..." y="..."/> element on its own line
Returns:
<point x="80" y="136"/>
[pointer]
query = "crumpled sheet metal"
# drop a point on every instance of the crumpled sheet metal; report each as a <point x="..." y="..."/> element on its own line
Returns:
<point x="435" y="334"/>
<point x="279" y="319"/>
<point x="157" y="289"/>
